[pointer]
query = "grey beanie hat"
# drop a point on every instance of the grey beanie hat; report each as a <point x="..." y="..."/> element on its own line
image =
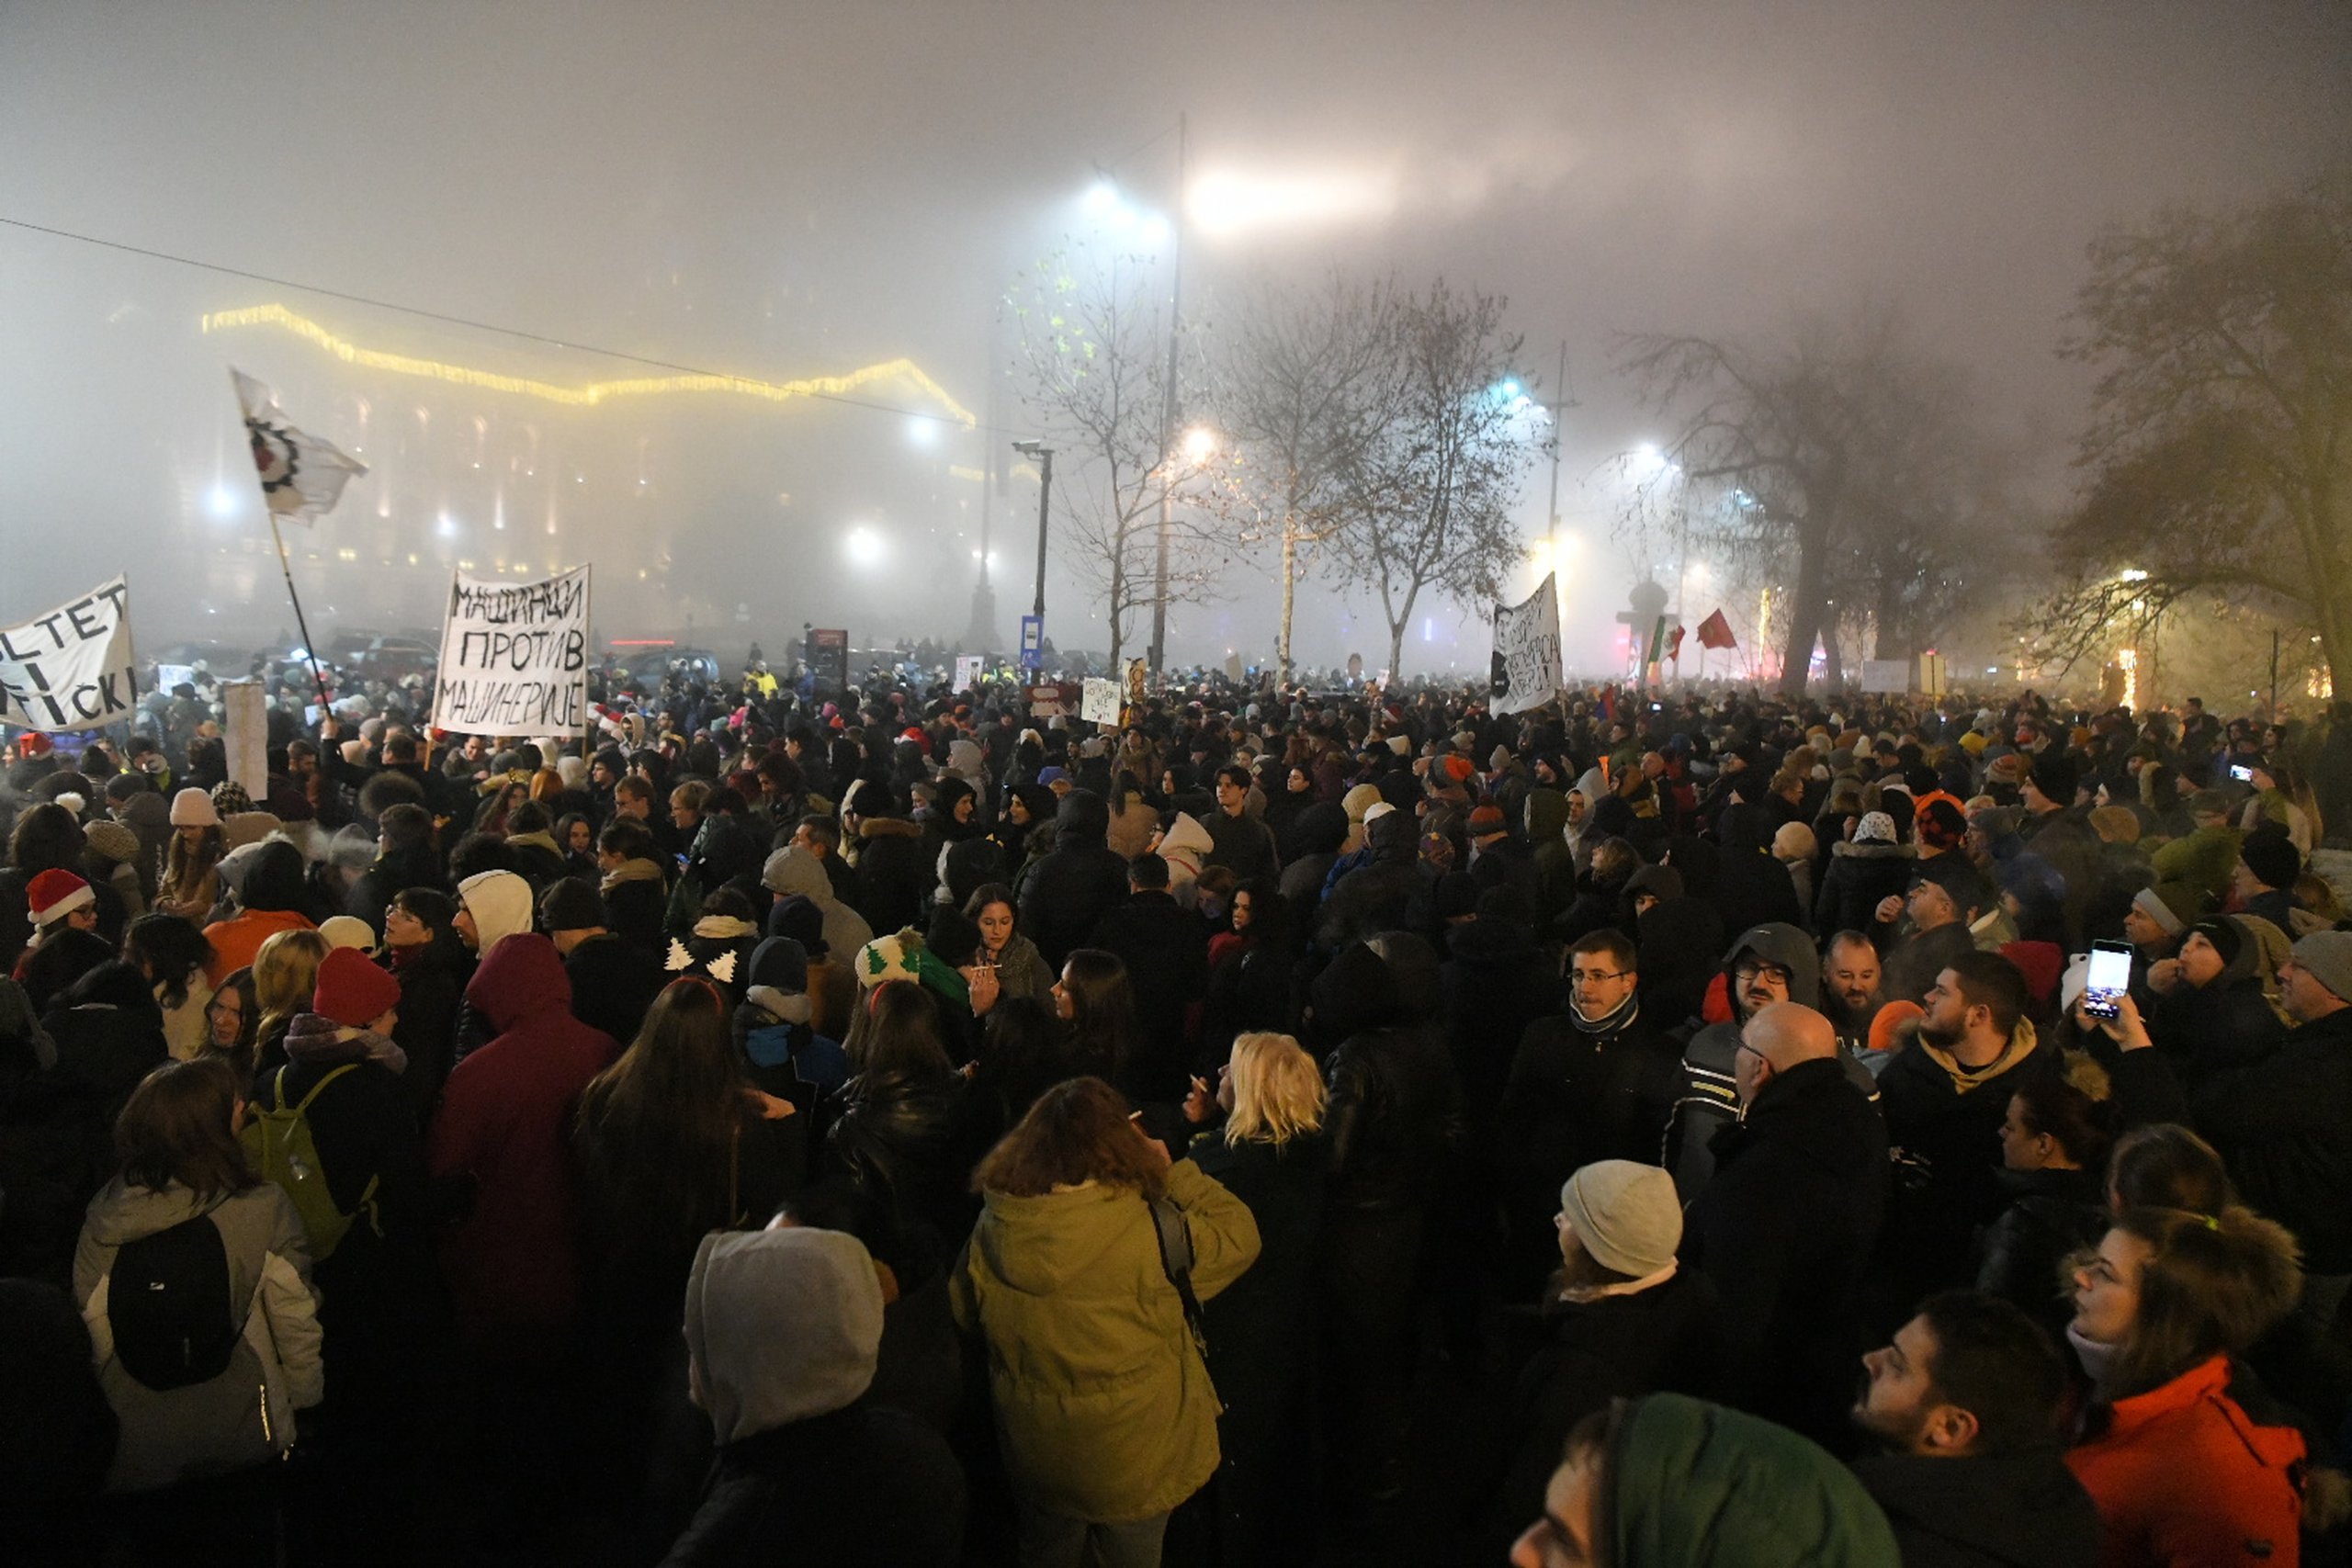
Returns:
<point x="1626" y="1215"/>
<point x="2326" y="956"/>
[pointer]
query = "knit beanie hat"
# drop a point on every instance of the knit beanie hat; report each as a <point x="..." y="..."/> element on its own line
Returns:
<point x="2054" y="776"/>
<point x="571" y="905"/>
<point x="229" y="799"/>
<point x="55" y="894"/>
<point x="1376" y="811"/>
<point x="193" y="808"/>
<point x="1456" y="768"/>
<point x="2326" y="956"/>
<point x="1626" y="1215"/>
<point x="2169" y="904"/>
<point x="2273" y="858"/>
<point x="353" y="991"/>
<point x="2226" y="938"/>
<point x="904" y="956"/>
<point x="348" y="930"/>
<point x="2116" y="824"/>
<point x="1794" y="842"/>
<point x="1486" y="819"/>
<point x="1401" y="744"/>
<point x="112" y="839"/>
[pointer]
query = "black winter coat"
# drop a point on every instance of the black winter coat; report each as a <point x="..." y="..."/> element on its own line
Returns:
<point x="2280" y="1126"/>
<point x="2015" y="1510"/>
<point x="1947" y="1148"/>
<point x="911" y="1144"/>
<point x="1166" y="949"/>
<point x="1860" y="877"/>
<point x="1066" y="893"/>
<point x="1394" y="1119"/>
<point x="613" y="985"/>
<point x="2022" y="1254"/>
<point x="1495" y="983"/>
<point x="896" y="875"/>
<point x="1664" y="1339"/>
<point x="1387" y="893"/>
<point x="1785" y="1230"/>
<point x="860" y="1486"/>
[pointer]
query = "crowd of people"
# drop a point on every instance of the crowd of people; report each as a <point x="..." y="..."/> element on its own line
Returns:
<point x="1654" y="1129"/>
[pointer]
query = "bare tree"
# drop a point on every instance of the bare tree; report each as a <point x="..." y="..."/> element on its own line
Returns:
<point x="2220" y="454"/>
<point x="1440" y="479"/>
<point x="1843" y="462"/>
<point x="1305" y="386"/>
<point x="1091" y="366"/>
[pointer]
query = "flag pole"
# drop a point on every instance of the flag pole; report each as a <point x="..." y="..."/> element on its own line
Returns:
<point x="309" y="652"/>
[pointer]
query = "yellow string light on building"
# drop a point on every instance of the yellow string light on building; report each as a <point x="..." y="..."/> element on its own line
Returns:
<point x="905" y="371"/>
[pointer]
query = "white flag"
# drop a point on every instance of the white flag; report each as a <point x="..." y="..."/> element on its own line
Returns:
<point x="73" y="668"/>
<point x="300" y="475"/>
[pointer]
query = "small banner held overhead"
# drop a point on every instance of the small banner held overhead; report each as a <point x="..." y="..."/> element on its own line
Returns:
<point x="301" y="476"/>
<point x="1527" y="651"/>
<point x="968" y="671"/>
<point x="72" y="669"/>
<point x="1097" y="700"/>
<point x="514" y="657"/>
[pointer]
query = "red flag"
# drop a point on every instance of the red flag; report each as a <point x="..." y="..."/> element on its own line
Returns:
<point x="1715" y="632"/>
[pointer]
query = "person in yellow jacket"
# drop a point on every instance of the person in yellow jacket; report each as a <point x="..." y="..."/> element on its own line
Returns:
<point x="1103" y="1406"/>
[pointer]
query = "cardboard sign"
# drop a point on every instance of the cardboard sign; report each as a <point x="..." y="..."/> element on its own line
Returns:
<point x="72" y="669"/>
<point x="1097" y="700"/>
<point x="968" y="671"/>
<point x="514" y="657"/>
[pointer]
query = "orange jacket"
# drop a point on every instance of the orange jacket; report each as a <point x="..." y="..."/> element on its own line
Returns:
<point x="236" y="941"/>
<point x="2183" y="1477"/>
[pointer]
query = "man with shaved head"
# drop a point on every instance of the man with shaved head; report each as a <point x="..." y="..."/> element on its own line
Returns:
<point x="1785" y="1228"/>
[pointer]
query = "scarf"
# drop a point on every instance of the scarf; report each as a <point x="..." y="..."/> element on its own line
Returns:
<point x="315" y="1037"/>
<point x="2093" y="1356"/>
<point x="1620" y="1017"/>
<point x="638" y="870"/>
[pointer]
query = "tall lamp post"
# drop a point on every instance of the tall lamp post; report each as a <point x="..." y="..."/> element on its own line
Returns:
<point x="1043" y="456"/>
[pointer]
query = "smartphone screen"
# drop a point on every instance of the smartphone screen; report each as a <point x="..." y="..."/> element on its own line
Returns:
<point x="2109" y="977"/>
<point x="2243" y="773"/>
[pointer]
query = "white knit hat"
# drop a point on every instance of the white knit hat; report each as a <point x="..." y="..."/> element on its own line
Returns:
<point x="1625" y="1214"/>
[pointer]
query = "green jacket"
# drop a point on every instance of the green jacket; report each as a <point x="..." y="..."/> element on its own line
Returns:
<point x="1102" y="1404"/>
<point x="1695" y="1485"/>
<point x="2203" y="859"/>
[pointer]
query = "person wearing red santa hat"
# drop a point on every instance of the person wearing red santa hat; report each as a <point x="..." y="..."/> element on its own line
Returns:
<point x="58" y="899"/>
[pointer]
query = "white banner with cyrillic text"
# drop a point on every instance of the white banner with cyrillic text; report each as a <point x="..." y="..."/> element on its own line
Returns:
<point x="514" y="657"/>
<point x="1527" y="651"/>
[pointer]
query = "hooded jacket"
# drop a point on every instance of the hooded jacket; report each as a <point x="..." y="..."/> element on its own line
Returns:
<point x="500" y="902"/>
<point x="1186" y="847"/>
<point x="1695" y="1485"/>
<point x="2012" y="1510"/>
<point x="784" y="1329"/>
<point x="245" y="1415"/>
<point x="1385" y="892"/>
<point x="792" y="873"/>
<point x="896" y="873"/>
<point x="1069" y="890"/>
<point x="505" y="1124"/>
<point x="1104" y="1405"/>
<point x="1861" y="877"/>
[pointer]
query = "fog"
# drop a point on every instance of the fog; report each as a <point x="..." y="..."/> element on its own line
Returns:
<point x="780" y="191"/>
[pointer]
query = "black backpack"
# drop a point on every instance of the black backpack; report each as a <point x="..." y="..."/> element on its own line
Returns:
<point x="167" y="1302"/>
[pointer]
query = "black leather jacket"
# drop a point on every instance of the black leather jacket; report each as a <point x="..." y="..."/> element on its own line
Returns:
<point x="1396" y="1116"/>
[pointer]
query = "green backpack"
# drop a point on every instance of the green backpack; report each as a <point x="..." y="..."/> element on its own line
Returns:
<point x="279" y="1141"/>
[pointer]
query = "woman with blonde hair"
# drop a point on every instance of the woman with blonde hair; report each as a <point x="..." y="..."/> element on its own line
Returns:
<point x="286" y="972"/>
<point x="1269" y="1154"/>
<point x="1105" y="1409"/>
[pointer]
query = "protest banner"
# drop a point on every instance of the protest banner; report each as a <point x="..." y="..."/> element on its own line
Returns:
<point x="247" y="702"/>
<point x="514" y="657"/>
<point x="1890" y="677"/>
<point x="1097" y="700"/>
<point x="72" y="669"/>
<point x="1527" y="651"/>
<point x="968" y="671"/>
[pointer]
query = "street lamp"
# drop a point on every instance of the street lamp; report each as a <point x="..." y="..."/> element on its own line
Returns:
<point x="1043" y="456"/>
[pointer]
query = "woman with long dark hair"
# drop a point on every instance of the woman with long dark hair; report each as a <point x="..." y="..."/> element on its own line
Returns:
<point x="172" y="954"/>
<point x="2053" y="1157"/>
<point x="1016" y="965"/>
<point x="907" y="1128"/>
<point x="1106" y="1414"/>
<point x="1095" y="1000"/>
<point x="425" y="954"/>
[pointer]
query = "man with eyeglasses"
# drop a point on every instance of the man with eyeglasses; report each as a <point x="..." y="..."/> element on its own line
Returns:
<point x="1596" y="1083"/>
<point x="1766" y="964"/>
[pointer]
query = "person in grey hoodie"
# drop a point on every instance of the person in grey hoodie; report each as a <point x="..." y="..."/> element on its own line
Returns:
<point x="181" y="1161"/>
<point x="794" y="872"/>
<point x="1766" y="964"/>
<point x="784" y="1329"/>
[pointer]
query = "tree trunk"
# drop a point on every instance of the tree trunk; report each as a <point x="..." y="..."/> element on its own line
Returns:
<point x="1290" y="590"/>
<point x="1396" y="649"/>
<point x="1804" y="617"/>
<point x="1833" y="656"/>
